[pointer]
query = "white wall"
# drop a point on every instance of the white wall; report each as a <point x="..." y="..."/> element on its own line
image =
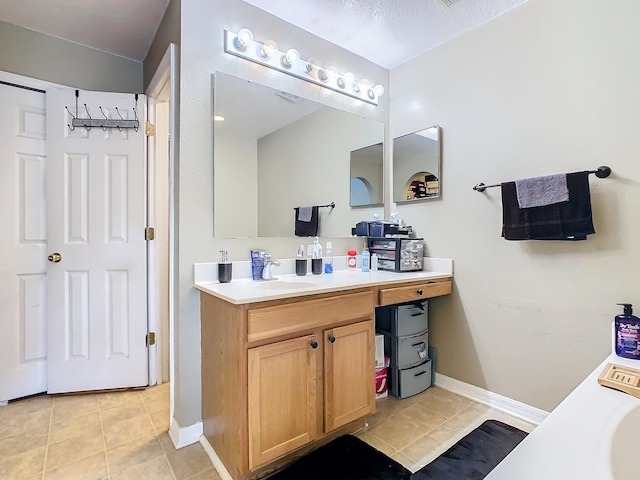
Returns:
<point x="202" y="22"/>
<point x="549" y="87"/>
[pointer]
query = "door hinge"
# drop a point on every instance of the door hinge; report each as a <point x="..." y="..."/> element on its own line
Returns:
<point x="150" y="129"/>
<point x="150" y="339"/>
<point x="149" y="233"/>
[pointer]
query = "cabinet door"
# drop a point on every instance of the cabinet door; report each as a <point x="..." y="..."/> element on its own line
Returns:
<point x="282" y="398"/>
<point x="349" y="368"/>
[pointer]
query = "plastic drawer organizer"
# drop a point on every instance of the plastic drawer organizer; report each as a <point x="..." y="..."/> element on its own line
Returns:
<point x="406" y="342"/>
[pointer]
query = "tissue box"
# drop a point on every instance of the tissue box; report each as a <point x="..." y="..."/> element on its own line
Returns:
<point x="382" y="387"/>
<point x="380" y="351"/>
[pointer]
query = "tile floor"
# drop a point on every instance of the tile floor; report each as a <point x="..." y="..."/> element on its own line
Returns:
<point x="123" y="435"/>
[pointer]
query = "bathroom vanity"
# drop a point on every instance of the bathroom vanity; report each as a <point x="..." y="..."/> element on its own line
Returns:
<point x="288" y="365"/>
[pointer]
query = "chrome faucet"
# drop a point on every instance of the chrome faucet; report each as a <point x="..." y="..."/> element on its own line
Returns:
<point x="269" y="263"/>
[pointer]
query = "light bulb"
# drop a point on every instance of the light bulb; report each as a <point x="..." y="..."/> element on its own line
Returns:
<point x="323" y="75"/>
<point x="311" y="65"/>
<point x="378" y="90"/>
<point x="291" y="56"/>
<point x="267" y="49"/>
<point x="345" y="79"/>
<point x="244" y="37"/>
<point x="362" y="85"/>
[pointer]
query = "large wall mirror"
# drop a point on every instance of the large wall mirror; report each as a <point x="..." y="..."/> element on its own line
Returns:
<point x="417" y="165"/>
<point x="275" y="151"/>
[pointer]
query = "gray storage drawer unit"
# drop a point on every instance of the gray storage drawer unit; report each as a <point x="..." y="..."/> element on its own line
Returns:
<point x="406" y="343"/>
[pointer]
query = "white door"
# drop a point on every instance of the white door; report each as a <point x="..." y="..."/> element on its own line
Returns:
<point x="23" y="354"/>
<point x="96" y="293"/>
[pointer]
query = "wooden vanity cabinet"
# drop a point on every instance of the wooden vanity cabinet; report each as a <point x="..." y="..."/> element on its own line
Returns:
<point x="282" y="374"/>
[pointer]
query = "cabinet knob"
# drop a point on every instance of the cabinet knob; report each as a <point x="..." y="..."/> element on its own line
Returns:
<point x="314" y="344"/>
<point x="332" y="339"/>
<point x="419" y="292"/>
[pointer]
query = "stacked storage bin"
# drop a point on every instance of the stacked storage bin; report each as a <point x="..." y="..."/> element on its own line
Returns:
<point x="406" y="341"/>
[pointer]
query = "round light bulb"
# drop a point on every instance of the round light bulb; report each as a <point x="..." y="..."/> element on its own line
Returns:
<point x="312" y="64"/>
<point x="323" y="75"/>
<point x="362" y="85"/>
<point x="378" y="90"/>
<point x="267" y="49"/>
<point x="346" y="79"/>
<point x="244" y="37"/>
<point x="291" y="56"/>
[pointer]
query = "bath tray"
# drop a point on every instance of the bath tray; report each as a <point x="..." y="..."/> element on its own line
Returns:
<point x="621" y="378"/>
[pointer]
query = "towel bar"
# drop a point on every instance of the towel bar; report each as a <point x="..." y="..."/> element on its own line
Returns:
<point x="600" y="172"/>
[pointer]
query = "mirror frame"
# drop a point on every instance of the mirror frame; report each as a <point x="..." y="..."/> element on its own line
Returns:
<point x="419" y="169"/>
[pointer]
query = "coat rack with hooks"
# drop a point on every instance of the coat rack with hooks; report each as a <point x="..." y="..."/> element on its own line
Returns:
<point x="105" y="122"/>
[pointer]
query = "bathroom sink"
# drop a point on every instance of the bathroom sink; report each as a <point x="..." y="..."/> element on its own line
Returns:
<point x="624" y="460"/>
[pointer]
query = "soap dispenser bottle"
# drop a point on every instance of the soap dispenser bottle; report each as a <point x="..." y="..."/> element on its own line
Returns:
<point x="224" y="268"/>
<point x="365" y="258"/>
<point x="627" y="333"/>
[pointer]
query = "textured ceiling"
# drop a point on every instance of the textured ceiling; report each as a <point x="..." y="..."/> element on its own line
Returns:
<point x="386" y="32"/>
<point x="122" y="27"/>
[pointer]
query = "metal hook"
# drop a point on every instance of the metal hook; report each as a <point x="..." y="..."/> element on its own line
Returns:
<point x="136" y="117"/>
<point x="88" y="115"/>
<point x="71" y="129"/>
<point x="121" y="117"/>
<point x="104" y="129"/>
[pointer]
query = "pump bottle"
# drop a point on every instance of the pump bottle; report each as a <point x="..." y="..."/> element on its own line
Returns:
<point x="627" y="333"/>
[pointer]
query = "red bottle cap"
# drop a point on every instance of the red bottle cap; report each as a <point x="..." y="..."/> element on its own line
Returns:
<point x="352" y="252"/>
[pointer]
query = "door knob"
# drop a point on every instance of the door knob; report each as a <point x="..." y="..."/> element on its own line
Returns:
<point x="55" y="257"/>
<point x="332" y="339"/>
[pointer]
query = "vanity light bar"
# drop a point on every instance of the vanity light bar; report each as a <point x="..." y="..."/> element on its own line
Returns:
<point x="242" y="45"/>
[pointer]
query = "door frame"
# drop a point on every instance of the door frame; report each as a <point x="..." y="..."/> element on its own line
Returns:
<point x="166" y="75"/>
<point x="29" y="82"/>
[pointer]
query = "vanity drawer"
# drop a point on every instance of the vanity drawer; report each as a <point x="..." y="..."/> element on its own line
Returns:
<point x="290" y="318"/>
<point x="417" y="291"/>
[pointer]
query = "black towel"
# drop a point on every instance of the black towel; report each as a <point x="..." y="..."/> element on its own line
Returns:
<point x="307" y="229"/>
<point x="570" y="220"/>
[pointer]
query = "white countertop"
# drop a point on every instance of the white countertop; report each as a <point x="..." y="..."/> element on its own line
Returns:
<point x="575" y="440"/>
<point x="287" y="284"/>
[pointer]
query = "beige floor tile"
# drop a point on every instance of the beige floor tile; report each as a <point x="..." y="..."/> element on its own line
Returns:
<point x="124" y="399"/>
<point x="423" y="418"/>
<point x="376" y="443"/>
<point x="385" y="407"/>
<point x="450" y="432"/>
<point x="155" y="469"/>
<point x="160" y="420"/>
<point x="27" y="465"/>
<point x="29" y="405"/>
<point x="21" y="443"/>
<point x="156" y="402"/>
<point x="405" y="461"/>
<point x="69" y="428"/>
<point x="509" y="420"/>
<point x="119" y="432"/>
<point x="32" y="423"/>
<point x="189" y="461"/>
<point x="132" y="454"/>
<point x="423" y="451"/>
<point x="397" y="431"/>
<point x="163" y="387"/>
<point x="446" y="403"/>
<point x="116" y="414"/>
<point x="210" y="474"/>
<point x="87" y="443"/>
<point x="167" y="443"/>
<point x="473" y="416"/>
<point x="93" y="467"/>
<point x="72" y="406"/>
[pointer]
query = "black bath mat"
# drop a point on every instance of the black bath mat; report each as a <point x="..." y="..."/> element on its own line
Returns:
<point x="475" y="455"/>
<point x="345" y="458"/>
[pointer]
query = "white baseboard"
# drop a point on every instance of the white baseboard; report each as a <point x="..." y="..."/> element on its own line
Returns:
<point x="3" y="403"/>
<point x="504" y="404"/>
<point x="183" y="436"/>
<point x="217" y="463"/>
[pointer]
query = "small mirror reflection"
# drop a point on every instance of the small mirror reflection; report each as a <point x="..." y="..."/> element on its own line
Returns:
<point x="366" y="176"/>
<point x="417" y="165"/>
